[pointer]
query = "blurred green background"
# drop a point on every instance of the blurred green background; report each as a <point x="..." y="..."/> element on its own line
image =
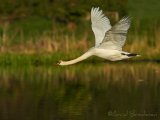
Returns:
<point x="35" y="34"/>
<point x="54" y="26"/>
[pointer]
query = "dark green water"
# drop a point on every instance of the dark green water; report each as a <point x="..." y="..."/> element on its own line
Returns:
<point x="106" y="91"/>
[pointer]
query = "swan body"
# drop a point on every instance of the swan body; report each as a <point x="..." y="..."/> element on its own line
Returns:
<point x="112" y="55"/>
<point x="108" y="40"/>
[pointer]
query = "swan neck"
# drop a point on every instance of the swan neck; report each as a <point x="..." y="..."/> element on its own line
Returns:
<point x="82" y="57"/>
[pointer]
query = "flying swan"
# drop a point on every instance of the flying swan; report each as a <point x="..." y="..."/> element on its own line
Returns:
<point x="108" y="40"/>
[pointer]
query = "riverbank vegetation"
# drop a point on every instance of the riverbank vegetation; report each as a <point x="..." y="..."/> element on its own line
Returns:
<point x="51" y="30"/>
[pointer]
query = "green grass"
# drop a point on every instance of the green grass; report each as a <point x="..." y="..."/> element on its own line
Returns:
<point x="10" y="59"/>
<point x="49" y="59"/>
<point x="38" y="38"/>
<point x="23" y="59"/>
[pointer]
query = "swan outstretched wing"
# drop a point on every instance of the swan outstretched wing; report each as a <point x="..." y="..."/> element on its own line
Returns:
<point x="115" y="38"/>
<point x="100" y="24"/>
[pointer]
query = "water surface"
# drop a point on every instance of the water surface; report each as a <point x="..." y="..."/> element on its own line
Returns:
<point x="114" y="91"/>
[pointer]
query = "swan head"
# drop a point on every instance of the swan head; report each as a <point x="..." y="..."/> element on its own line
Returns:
<point x="60" y="62"/>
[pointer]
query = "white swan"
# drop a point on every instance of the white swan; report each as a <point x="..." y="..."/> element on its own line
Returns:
<point x="108" y="40"/>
